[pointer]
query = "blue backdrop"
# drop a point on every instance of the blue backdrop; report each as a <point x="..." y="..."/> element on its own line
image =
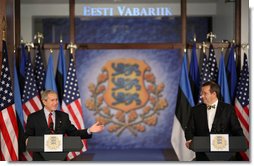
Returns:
<point x="164" y="64"/>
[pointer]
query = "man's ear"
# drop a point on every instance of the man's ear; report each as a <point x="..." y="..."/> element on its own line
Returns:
<point x="43" y="102"/>
<point x="215" y="95"/>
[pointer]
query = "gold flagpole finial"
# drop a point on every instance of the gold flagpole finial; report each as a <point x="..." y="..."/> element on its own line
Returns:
<point x="72" y="47"/>
<point x="222" y="48"/>
<point x="204" y="46"/>
<point x="4" y="24"/>
<point x="29" y="46"/>
<point x="211" y="35"/>
<point x="245" y="46"/>
<point x="39" y="36"/>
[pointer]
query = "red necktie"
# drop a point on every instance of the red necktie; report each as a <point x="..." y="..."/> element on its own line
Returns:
<point x="50" y="120"/>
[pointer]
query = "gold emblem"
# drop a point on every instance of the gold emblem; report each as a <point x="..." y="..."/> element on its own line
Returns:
<point x="126" y="96"/>
<point x="219" y="142"/>
<point x="53" y="143"/>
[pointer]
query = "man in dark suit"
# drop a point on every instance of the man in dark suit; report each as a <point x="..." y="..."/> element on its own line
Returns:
<point x="211" y="117"/>
<point x="48" y="120"/>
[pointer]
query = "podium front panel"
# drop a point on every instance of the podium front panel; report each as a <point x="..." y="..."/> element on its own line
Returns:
<point x="72" y="143"/>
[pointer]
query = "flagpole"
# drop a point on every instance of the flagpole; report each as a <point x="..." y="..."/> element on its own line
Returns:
<point x="3" y="39"/>
<point x="72" y="47"/>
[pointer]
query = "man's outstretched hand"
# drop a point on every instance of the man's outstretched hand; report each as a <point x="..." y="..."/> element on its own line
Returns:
<point x="97" y="127"/>
<point x="188" y="143"/>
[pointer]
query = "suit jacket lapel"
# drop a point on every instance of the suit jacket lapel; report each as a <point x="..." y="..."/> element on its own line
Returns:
<point x="45" y="121"/>
<point x="216" y="121"/>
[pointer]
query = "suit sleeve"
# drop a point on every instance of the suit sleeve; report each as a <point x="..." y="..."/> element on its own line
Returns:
<point x="71" y="130"/>
<point x="30" y="129"/>
<point x="190" y="128"/>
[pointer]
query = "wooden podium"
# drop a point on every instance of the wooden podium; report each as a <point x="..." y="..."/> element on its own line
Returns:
<point x="70" y="144"/>
<point x="202" y="144"/>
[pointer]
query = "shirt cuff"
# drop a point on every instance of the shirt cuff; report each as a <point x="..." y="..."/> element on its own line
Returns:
<point x="88" y="131"/>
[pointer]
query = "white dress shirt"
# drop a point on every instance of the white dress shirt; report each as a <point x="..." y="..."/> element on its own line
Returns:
<point x="211" y="114"/>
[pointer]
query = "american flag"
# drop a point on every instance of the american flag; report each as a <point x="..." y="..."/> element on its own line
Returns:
<point x="212" y="64"/>
<point x="71" y="103"/>
<point x="39" y="70"/>
<point x="204" y="75"/>
<point x="209" y="71"/>
<point x="242" y="103"/>
<point x="8" y="121"/>
<point x="30" y="97"/>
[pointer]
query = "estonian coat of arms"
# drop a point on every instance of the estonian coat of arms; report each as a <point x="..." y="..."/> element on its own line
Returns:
<point x="126" y="96"/>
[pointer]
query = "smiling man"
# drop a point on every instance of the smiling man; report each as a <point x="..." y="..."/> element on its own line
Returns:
<point x="50" y="121"/>
<point x="211" y="117"/>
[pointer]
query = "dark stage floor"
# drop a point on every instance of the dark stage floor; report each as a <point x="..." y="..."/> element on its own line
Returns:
<point x="128" y="155"/>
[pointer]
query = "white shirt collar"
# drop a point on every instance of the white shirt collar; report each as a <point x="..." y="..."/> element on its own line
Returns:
<point x="47" y="112"/>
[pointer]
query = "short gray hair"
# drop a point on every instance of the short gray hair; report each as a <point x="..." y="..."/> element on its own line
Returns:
<point x="44" y="94"/>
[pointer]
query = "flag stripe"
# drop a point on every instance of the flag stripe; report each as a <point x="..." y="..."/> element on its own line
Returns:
<point x="242" y="119"/>
<point x="246" y="110"/>
<point x="31" y="106"/>
<point x="194" y="74"/>
<point x="13" y="120"/>
<point x="243" y="111"/>
<point x="72" y="115"/>
<point x="182" y="109"/>
<point x="9" y="134"/>
<point x="71" y="103"/>
<point x="76" y="105"/>
<point x="242" y="103"/>
<point x="8" y="119"/>
<point x="182" y="113"/>
<point x="178" y="140"/>
<point x="1" y="154"/>
<point x="35" y="102"/>
<point x="28" y="109"/>
<point x="30" y="97"/>
<point x="245" y="156"/>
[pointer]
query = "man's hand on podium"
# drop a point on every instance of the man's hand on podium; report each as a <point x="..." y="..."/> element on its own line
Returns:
<point x="188" y="143"/>
<point x="97" y="127"/>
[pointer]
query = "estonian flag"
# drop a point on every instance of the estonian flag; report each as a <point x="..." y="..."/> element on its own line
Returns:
<point x="50" y="83"/>
<point x="182" y="113"/>
<point x="223" y="82"/>
<point x="61" y="73"/>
